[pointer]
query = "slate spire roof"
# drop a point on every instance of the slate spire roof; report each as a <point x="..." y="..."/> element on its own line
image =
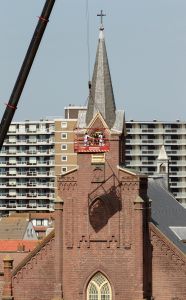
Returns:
<point x="101" y="97"/>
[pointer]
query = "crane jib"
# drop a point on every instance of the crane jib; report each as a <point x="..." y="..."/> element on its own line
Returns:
<point x="25" y="69"/>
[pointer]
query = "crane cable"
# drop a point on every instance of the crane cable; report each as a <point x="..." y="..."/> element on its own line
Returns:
<point x="87" y="37"/>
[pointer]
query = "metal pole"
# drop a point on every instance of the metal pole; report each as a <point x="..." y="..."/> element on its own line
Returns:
<point x="25" y="69"/>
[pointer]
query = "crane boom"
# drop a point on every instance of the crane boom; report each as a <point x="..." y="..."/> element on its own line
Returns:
<point x="25" y="69"/>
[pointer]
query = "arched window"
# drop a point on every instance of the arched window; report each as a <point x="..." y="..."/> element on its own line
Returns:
<point x="99" y="288"/>
<point x="162" y="168"/>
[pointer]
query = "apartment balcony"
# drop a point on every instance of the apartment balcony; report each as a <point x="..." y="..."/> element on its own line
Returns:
<point x="3" y="184"/>
<point x="142" y="142"/>
<point x="158" y="131"/>
<point x="9" y="174"/>
<point x="35" y="196"/>
<point x="178" y="184"/>
<point x="46" y="174"/>
<point x="9" y="142"/>
<point x="177" y="174"/>
<point x="28" y="207"/>
<point x="11" y="184"/>
<point x="142" y="152"/>
<point x="140" y="131"/>
<point x="180" y="195"/>
<point x="179" y="142"/>
<point x="179" y="163"/>
<point x="27" y="141"/>
<point x="140" y="163"/>
<point x="176" y="152"/>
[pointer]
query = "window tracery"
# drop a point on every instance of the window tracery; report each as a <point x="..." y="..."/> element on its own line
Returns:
<point x="99" y="288"/>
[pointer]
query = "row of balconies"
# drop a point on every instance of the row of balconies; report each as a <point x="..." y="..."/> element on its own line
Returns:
<point x="26" y="184"/>
<point x="28" y="131"/>
<point x="27" y="152"/>
<point x="27" y="195"/>
<point x="27" y="141"/>
<point x="27" y="163"/>
<point x="157" y="131"/>
<point x="29" y="173"/>
<point x="136" y="152"/>
<point x="141" y="142"/>
<point x="180" y="195"/>
<point x="20" y="206"/>
<point x="178" y="184"/>
<point x="138" y="163"/>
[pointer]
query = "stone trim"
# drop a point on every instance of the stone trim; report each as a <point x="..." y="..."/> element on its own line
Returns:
<point x="167" y="247"/>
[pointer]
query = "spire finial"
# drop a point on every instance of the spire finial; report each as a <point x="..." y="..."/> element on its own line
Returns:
<point x="101" y="15"/>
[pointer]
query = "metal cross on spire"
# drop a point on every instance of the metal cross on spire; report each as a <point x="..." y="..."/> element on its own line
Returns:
<point x="101" y="15"/>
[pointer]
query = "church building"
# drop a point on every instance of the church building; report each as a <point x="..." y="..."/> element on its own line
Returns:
<point x="118" y="235"/>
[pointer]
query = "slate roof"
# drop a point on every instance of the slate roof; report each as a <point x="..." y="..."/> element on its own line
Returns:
<point x="101" y="97"/>
<point x="166" y="212"/>
<point x="13" y="228"/>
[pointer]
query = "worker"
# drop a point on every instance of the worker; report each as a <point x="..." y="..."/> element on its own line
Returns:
<point x="86" y="139"/>
<point x="100" y="136"/>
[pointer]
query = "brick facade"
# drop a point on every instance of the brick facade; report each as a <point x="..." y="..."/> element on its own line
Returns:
<point x="168" y="268"/>
<point x="34" y="278"/>
<point x="102" y="219"/>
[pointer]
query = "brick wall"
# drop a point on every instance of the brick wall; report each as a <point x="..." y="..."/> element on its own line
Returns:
<point x="34" y="278"/>
<point x="103" y="227"/>
<point x="168" y="269"/>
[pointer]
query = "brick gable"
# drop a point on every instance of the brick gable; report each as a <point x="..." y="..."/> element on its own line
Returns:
<point x="168" y="268"/>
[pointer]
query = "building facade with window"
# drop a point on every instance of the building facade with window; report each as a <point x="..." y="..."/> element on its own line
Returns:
<point x="27" y="167"/>
<point x="143" y="144"/>
<point x="113" y="239"/>
<point x="34" y="153"/>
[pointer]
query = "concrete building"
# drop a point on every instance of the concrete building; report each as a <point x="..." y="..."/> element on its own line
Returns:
<point x="27" y="167"/>
<point x="143" y="144"/>
<point x="35" y="153"/>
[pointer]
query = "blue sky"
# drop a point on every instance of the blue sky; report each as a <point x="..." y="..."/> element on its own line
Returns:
<point x="146" y="45"/>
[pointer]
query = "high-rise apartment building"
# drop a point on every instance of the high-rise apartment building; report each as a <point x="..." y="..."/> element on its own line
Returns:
<point x="27" y="167"/>
<point x="35" y="153"/>
<point x="143" y="144"/>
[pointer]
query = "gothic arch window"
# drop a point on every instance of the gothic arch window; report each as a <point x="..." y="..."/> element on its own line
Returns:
<point x="99" y="288"/>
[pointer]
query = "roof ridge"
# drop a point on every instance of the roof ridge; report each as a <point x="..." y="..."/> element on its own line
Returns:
<point x="33" y="252"/>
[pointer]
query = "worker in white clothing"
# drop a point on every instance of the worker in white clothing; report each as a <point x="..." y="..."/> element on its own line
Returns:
<point x="100" y="136"/>
<point x="86" y="139"/>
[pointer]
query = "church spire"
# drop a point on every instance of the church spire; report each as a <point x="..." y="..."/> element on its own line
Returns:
<point x="101" y="98"/>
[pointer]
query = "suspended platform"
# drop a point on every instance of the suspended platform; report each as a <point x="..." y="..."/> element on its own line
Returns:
<point x="94" y="140"/>
<point x="79" y="147"/>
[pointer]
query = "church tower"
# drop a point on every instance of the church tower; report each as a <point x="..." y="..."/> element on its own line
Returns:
<point x="163" y="167"/>
<point x="102" y="246"/>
